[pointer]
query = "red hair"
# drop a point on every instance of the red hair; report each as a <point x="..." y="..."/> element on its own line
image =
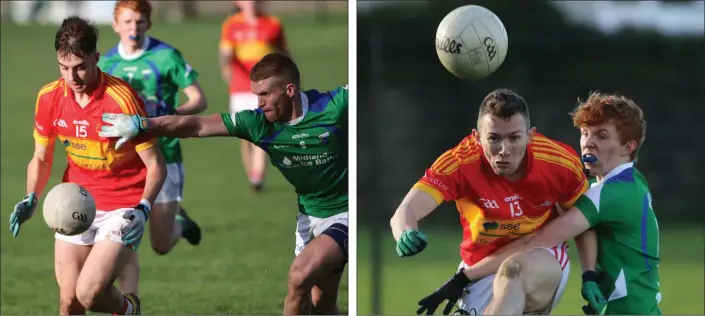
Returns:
<point x="141" y="6"/>
<point x="601" y="108"/>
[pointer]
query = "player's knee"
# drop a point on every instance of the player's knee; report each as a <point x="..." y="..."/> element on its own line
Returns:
<point x="325" y="304"/>
<point x="161" y="249"/>
<point x="299" y="277"/>
<point x="87" y="294"/>
<point x="510" y="269"/>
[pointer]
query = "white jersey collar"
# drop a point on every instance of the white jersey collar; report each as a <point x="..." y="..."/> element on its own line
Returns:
<point x="304" y="108"/>
<point x="126" y="56"/>
<point x="617" y="171"/>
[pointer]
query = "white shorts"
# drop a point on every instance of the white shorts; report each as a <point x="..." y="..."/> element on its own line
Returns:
<point x="240" y="101"/>
<point x="173" y="188"/>
<point x="309" y="227"/>
<point x="480" y="292"/>
<point x="106" y="226"/>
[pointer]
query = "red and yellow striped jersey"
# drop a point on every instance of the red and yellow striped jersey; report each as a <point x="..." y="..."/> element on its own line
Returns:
<point x="114" y="178"/>
<point x="494" y="210"/>
<point x="249" y="43"/>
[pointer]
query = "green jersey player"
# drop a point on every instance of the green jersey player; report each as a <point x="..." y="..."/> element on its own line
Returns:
<point x="622" y="277"/>
<point x="305" y="135"/>
<point x="157" y="71"/>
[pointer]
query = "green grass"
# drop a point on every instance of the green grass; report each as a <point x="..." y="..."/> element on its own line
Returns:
<point x="248" y="243"/>
<point x="405" y="281"/>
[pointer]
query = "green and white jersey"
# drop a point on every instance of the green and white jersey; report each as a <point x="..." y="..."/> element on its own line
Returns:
<point x="619" y="208"/>
<point x="156" y="74"/>
<point x="311" y="151"/>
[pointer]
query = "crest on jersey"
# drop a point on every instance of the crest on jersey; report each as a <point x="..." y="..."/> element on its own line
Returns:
<point x="324" y="138"/>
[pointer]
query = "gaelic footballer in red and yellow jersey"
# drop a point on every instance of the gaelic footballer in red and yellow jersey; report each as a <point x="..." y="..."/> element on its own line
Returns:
<point x="116" y="179"/>
<point x="249" y="41"/>
<point x="493" y="210"/>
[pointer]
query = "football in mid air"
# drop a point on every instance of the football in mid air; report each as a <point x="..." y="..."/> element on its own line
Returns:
<point x="69" y="209"/>
<point x="471" y="42"/>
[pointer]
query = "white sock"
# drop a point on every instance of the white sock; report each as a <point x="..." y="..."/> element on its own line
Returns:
<point x="128" y="308"/>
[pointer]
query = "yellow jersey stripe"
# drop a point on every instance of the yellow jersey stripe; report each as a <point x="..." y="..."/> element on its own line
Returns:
<point x="433" y="192"/>
<point x="568" y="204"/>
<point x="547" y="142"/>
<point x="44" y="90"/>
<point x="551" y="151"/>
<point x="558" y="161"/>
<point x="123" y="97"/>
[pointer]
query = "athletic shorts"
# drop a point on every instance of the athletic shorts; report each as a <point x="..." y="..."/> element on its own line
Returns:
<point x="106" y="226"/>
<point x="479" y="294"/>
<point x="173" y="188"/>
<point x="309" y="227"/>
<point x="240" y="101"/>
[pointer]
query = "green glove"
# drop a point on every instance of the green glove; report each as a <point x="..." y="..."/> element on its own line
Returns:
<point x="411" y="243"/>
<point x="22" y="212"/>
<point x="592" y="294"/>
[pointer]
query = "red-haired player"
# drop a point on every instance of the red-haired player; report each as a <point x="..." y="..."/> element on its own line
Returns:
<point x="124" y="183"/>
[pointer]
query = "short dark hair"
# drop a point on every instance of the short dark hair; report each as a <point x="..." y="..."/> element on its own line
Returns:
<point x="275" y="64"/>
<point x="76" y="36"/>
<point x="504" y="103"/>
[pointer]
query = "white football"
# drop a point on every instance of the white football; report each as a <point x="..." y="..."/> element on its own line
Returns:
<point x="471" y="42"/>
<point x="69" y="209"/>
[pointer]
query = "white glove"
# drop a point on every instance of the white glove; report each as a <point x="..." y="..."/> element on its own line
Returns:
<point x="124" y="126"/>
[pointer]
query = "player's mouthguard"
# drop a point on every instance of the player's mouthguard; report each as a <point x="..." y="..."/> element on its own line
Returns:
<point x="589" y="158"/>
<point x="134" y="37"/>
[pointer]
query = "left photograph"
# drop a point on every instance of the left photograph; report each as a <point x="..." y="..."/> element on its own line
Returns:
<point x="186" y="157"/>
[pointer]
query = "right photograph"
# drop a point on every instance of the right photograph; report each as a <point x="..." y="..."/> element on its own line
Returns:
<point x="533" y="157"/>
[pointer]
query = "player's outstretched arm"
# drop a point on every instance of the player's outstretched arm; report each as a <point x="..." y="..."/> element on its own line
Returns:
<point x="127" y="126"/>
<point x="185" y="126"/>
<point x="563" y="228"/>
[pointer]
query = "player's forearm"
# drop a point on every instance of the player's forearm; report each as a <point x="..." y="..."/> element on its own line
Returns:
<point x="587" y="249"/>
<point x="415" y="206"/>
<point x="174" y="126"/>
<point x="38" y="172"/>
<point x="156" y="175"/>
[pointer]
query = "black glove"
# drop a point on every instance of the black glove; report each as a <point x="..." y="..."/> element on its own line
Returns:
<point x="452" y="290"/>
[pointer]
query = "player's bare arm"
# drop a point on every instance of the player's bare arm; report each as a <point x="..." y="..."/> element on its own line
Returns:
<point x="415" y="206"/>
<point x="196" y="100"/>
<point x="185" y="126"/>
<point x="587" y="249"/>
<point x="39" y="167"/>
<point x="156" y="172"/>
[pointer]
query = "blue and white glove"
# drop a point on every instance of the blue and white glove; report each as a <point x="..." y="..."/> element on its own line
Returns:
<point x="133" y="232"/>
<point x="22" y="212"/>
<point x="124" y="126"/>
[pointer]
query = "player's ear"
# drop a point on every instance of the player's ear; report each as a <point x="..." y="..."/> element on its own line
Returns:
<point x="532" y="133"/>
<point x="290" y="90"/>
<point x="115" y="26"/>
<point x="476" y="135"/>
<point x="630" y="147"/>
